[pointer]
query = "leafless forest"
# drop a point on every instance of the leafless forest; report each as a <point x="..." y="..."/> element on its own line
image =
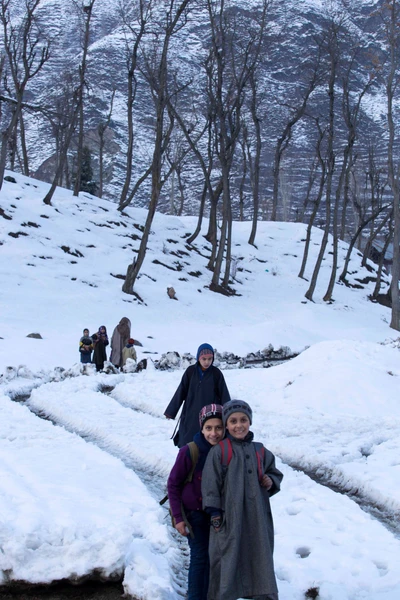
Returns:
<point x="232" y="110"/>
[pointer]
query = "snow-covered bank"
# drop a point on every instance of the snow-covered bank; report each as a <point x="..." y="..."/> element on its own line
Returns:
<point x="323" y="539"/>
<point x="67" y="509"/>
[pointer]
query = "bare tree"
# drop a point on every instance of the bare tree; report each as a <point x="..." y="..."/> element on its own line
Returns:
<point x="136" y="28"/>
<point x="296" y="112"/>
<point x="351" y="102"/>
<point x="157" y="76"/>
<point x="330" y="43"/>
<point x="385" y="246"/>
<point x="101" y="130"/>
<point x="87" y="7"/>
<point x="26" y="51"/>
<point x="391" y="24"/>
<point x="63" y="122"/>
<point x="317" y="201"/>
<point x="375" y="186"/>
<point x="354" y="238"/>
<point x="231" y="61"/>
<point x="255" y="163"/>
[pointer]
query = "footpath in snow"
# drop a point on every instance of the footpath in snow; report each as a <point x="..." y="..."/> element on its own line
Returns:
<point x="323" y="539"/>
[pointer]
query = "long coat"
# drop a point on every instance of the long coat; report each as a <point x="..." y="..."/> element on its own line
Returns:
<point x="196" y="389"/>
<point x="119" y="339"/>
<point x="241" y="551"/>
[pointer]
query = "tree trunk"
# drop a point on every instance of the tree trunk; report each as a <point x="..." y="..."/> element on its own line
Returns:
<point x="330" y="169"/>
<point x="391" y="87"/>
<point x="25" y="159"/>
<point x="159" y="88"/>
<point x="360" y="228"/>
<point x="82" y="83"/>
<point x="316" y="204"/>
<point x="255" y="187"/>
<point x="377" y="288"/>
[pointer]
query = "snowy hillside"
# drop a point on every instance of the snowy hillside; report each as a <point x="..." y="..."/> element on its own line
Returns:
<point x="79" y="494"/>
<point x="60" y="267"/>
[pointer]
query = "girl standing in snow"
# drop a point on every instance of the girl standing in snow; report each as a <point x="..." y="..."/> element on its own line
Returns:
<point x="100" y="341"/>
<point x="201" y="384"/>
<point x="184" y="493"/>
<point x="238" y="480"/>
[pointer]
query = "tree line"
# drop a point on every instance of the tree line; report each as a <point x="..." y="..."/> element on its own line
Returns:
<point x="217" y="108"/>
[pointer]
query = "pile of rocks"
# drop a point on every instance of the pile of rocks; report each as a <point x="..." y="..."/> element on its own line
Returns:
<point x="267" y="357"/>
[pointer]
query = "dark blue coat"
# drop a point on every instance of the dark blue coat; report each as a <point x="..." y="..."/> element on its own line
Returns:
<point x="196" y="389"/>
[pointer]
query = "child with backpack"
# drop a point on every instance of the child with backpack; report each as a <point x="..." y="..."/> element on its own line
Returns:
<point x="184" y="494"/>
<point x="239" y="478"/>
<point x="85" y="347"/>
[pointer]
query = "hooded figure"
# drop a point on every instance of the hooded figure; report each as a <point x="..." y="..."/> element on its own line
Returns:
<point x="129" y="351"/>
<point x="201" y="384"/>
<point x="119" y="339"/>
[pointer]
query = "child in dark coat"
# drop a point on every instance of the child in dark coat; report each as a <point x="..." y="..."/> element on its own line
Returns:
<point x="100" y="341"/>
<point x="201" y="384"/>
<point x="239" y="478"/>
<point x="185" y="499"/>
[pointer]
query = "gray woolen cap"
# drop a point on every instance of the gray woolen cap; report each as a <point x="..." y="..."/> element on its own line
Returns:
<point x="234" y="406"/>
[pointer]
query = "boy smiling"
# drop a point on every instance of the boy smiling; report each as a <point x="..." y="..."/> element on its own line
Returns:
<point x="236" y="492"/>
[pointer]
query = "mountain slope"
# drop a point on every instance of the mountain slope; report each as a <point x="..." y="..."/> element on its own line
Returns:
<point x="61" y="269"/>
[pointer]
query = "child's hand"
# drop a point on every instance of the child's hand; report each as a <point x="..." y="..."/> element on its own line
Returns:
<point x="216" y="522"/>
<point x="181" y="527"/>
<point x="266" y="482"/>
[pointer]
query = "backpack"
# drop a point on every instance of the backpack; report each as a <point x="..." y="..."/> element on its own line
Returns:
<point x="226" y="455"/>
<point x="194" y="457"/>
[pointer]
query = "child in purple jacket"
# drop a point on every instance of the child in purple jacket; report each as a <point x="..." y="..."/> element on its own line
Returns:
<point x="186" y="495"/>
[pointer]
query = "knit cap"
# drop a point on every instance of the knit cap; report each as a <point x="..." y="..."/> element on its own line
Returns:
<point x="210" y="411"/>
<point x="204" y="349"/>
<point x="234" y="406"/>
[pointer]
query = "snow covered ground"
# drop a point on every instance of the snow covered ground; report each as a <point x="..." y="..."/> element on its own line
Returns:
<point x="79" y="491"/>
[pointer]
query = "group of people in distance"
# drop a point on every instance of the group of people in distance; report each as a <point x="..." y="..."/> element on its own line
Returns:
<point x="219" y="489"/>
<point x="122" y="345"/>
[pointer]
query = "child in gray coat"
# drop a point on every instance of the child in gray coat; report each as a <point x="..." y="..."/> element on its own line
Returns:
<point x="239" y="478"/>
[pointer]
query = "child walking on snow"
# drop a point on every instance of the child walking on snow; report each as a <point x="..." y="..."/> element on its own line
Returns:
<point x="239" y="478"/>
<point x="184" y="493"/>
<point x="201" y="384"/>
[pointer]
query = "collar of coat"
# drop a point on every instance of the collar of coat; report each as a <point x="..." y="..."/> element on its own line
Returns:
<point x="249" y="438"/>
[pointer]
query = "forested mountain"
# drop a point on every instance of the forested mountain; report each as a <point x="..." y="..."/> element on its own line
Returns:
<point x="265" y="109"/>
<point x="274" y="78"/>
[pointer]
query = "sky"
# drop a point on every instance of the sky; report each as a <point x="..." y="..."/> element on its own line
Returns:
<point x="84" y="456"/>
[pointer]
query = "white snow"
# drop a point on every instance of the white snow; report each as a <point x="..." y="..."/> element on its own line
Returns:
<point x="80" y="496"/>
